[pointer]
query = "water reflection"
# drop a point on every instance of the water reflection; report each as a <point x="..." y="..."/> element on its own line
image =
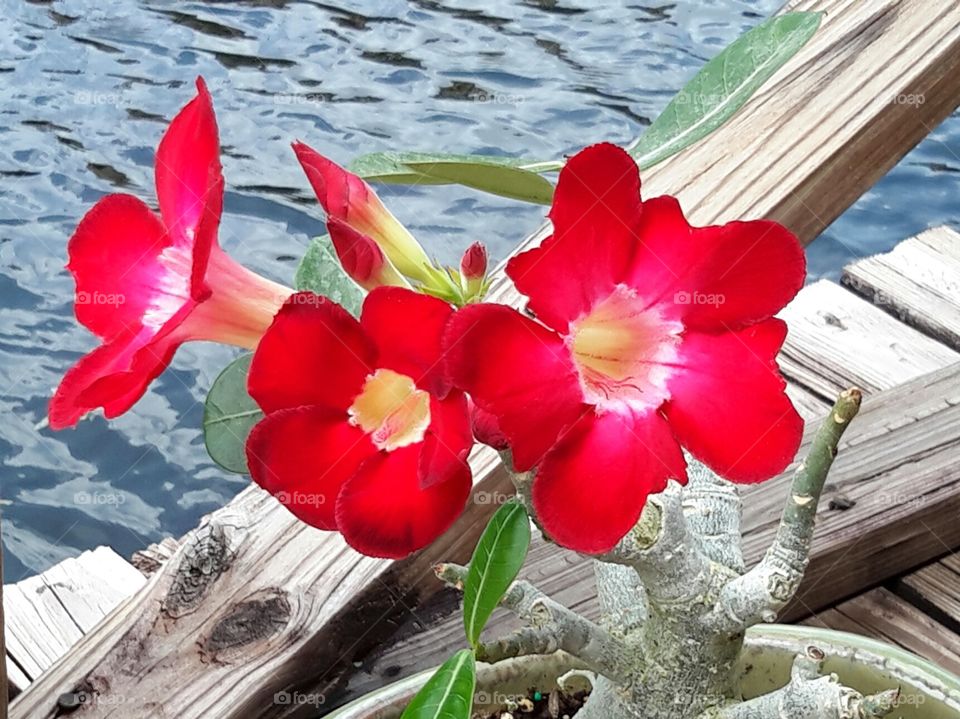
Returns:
<point x="87" y="89"/>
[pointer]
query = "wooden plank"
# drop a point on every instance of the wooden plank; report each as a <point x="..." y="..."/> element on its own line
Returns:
<point x="918" y="282"/>
<point x="837" y="340"/>
<point x="899" y="466"/>
<point x="149" y="560"/>
<point x="936" y="589"/>
<point x="883" y="615"/>
<point x="48" y="613"/>
<point x="823" y="130"/>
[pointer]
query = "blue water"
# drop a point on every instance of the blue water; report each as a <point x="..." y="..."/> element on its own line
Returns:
<point x="87" y="87"/>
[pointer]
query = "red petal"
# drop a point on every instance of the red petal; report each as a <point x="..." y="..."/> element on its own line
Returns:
<point x="338" y="190"/>
<point x="383" y="512"/>
<point x="590" y="489"/>
<point x="407" y="328"/>
<point x="113" y="376"/>
<point x="519" y="371"/>
<point x="314" y="353"/>
<point x="359" y="255"/>
<point x="486" y="428"/>
<point x="447" y="442"/>
<point x="303" y="456"/>
<point x="717" y="278"/>
<point x="114" y="259"/>
<point x="595" y="208"/>
<point x="728" y="405"/>
<point x="188" y="174"/>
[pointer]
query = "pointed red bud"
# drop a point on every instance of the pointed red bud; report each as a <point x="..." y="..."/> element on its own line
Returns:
<point x="473" y="264"/>
<point x="361" y="257"/>
<point x="348" y="198"/>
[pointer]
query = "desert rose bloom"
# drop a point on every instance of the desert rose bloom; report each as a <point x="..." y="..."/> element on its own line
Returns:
<point x="363" y="433"/>
<point x="652" y="334"/>
<point x="148" y="282"/>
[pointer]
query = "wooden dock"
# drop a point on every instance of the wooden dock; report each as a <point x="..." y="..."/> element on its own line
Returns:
<point x="253" y="603"/>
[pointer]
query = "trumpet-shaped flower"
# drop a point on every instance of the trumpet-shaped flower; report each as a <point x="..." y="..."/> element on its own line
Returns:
<point x="362" y="433"/>
<point x="147" y="282"/>
<point x="652" y="334"/>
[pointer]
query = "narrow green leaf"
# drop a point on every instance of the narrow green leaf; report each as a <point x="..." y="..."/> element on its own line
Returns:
<point x="228" y="416"/>
<point x="498" y="179"/>
<point x="320" y="271"/>
<point x="448" y="694"/>
<point x="723" y="85"/>
<point x="388" y="167"/>
<point x="495" y="564"/>
<point x="516" y="178"/>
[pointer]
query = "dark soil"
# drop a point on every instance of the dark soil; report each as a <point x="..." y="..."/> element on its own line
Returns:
<point x="555" y="705"/>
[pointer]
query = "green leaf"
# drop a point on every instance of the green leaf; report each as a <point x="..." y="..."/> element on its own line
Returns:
<point x="228" y="416"/>
<point x="388" y="167"/>
<point x="724" y="85"/>
<point x="320" y="271"/>
<point x="495" y="178"/>
<point x="448" y="694"/>
<point x="495" y="564"/>
<point x="512" y="177"/>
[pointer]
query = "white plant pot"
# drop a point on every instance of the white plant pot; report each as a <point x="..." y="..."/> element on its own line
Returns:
<point x="927" y="691"/>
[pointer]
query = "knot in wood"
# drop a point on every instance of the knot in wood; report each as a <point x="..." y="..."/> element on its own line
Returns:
<point x="202" y="561"/>
<point x="253" y="619"/>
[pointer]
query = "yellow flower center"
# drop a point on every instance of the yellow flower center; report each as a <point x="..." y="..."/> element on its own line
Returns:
<point x="391" y="410"/>
<point x="623" y="352"/>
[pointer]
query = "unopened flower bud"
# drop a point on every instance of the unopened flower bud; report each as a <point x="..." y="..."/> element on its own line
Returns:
<point x="362" y="258"/>
<point x="473" y="269"/>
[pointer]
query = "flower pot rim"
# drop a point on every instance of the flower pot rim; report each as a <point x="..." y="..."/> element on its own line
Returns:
<point x="872" y="653"/>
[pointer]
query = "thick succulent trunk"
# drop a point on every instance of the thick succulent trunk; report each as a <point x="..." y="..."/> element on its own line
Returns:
<point x="676" y="602"/>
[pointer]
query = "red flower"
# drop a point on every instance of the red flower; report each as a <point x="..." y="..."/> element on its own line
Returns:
<point x="147" y="283"/>
<point x="362" y="433"/>
<point x="652" y="334"/>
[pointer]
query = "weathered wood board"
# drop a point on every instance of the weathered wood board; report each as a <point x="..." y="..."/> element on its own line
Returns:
<point x="936" y="589"/>
<point x="918" y="282"/>
<point x="883" y="615"/>
<point x="48" y="613"/>
<point x="819" y="134"/>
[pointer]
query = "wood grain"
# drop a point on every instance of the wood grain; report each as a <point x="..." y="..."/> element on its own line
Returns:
<point x="936" y="589"/>
<point x="883" y="615"/>
<point x="48" y="613"/>
<point x="837" y="340"/>
<point x="821" y="132"/>
<point x="918" y="282"/>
